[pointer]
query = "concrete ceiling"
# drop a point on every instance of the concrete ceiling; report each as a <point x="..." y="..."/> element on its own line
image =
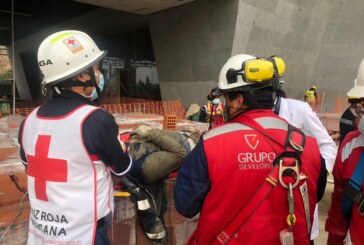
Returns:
<point x="31" y="16"/>
<point x="140" y="7"/>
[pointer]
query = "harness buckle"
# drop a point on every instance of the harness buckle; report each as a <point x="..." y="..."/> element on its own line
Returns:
<point x="289" y="169"/>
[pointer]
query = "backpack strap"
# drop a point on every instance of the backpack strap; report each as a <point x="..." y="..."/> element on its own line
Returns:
<point x="353" y="192"/>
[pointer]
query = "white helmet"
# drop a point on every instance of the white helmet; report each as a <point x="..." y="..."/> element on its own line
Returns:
<point x="65" y="54"/>
<point x="235" y="63"/>
<point x="358" y="89"/>
<point x="243" y="70"/>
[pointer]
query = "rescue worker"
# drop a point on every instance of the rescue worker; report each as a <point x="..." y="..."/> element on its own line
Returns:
<point x="346" y="215"/>
<point x="234" y="176"/>
<point x="311" y="97"/>
<point x="156" y="154"/>
<point x="213" y="111"/>
<point x="301" y="115"/>
<point x="349" y="120"/>
<point x="70" y="148"/>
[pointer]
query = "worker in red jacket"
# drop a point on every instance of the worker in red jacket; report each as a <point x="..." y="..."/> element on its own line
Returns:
<point x="255" y="179"/>
<point x="346" y="215"/>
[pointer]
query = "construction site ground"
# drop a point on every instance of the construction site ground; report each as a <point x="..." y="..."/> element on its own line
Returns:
<point x="126" y="230"/>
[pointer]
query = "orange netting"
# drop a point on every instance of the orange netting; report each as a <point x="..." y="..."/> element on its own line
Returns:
<point x="341" y="103"/>
<point x="128" y="105"/>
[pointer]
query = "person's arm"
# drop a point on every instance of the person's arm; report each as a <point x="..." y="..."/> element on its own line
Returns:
<point x="356" y="123"/>
<point x="321" y="184"/>
<point x="314" y="127"/>
<point x="335" y="223"/>
<point x="100" y="133"/>
<point x="21" y="150"/>
<point x="192" y="183"/>
<point x="166" y="143"/>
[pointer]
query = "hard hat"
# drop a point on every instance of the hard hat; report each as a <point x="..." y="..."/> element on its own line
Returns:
<point x="358" y="89"/>
<point x="314" y="87"/>
<point x="353" y="98"/>
<point x="65" y="54"/>
<point x="243" y="71"/>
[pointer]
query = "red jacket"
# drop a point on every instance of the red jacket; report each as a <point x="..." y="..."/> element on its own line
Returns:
<point x="239" y="159"/>
<point x="348" y="157"/>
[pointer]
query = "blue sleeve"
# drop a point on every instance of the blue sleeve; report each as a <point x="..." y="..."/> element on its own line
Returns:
<point x="321" y="184"/>
<point x="192" y="183"/>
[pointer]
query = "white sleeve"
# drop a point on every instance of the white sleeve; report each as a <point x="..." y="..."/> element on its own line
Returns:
<point x="314" y="127"/>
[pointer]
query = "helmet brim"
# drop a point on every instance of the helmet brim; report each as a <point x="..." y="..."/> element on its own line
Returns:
<point x="54" y="80"/>
<point x="356" y="91"/>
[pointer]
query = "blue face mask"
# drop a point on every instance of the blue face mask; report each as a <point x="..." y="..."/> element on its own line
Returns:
<point x="101" y="84"/>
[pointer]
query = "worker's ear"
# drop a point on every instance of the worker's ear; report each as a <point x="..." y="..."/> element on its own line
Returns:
<point x="240" y="101"/>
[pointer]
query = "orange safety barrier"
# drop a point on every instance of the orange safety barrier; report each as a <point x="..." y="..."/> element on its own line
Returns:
<point x="132" y="105"/>
<point x="341" y="103"/>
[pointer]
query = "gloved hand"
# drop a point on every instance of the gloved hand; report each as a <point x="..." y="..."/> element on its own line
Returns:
<point x="142" y="131"/>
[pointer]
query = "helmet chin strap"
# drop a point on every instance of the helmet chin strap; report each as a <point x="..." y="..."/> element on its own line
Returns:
<point x="92" y="82"/>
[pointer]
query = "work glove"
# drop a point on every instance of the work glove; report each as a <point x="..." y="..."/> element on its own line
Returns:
<point x="142" y="131"/>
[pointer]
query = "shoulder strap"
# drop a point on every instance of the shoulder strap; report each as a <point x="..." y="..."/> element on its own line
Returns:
<point x="258" y="198"/>
<point x="353" y="191"/>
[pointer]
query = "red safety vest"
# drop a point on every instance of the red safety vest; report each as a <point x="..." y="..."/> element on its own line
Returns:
<point x="217" y="113"/>
<point x="348" y="157"/>
<point x="239" y="160"/>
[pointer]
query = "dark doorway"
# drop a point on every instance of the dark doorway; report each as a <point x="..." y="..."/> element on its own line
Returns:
<point x="32" y="74"/>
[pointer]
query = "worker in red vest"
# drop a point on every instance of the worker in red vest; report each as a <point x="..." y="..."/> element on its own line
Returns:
<point x="345" y="221"/>
<point x="256" y="179"/>
<point x="214" y="108"/>
<point x="70" y="148"/>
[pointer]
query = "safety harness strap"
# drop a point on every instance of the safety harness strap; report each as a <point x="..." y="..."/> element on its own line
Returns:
<point x="265" y="189"/>
<point x="263" y="192"/>
<point x="353" y="191"/>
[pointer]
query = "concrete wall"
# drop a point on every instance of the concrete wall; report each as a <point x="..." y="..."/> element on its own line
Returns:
<point x="321" y="42"/>
<point x="191" y="43"/>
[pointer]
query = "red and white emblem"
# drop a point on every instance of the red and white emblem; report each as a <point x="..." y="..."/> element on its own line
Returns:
<point x="252" y="140"/>
<point x="74" y="45"/>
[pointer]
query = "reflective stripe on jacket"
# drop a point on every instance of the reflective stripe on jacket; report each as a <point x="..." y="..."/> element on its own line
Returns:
<point x="239" y="159"/>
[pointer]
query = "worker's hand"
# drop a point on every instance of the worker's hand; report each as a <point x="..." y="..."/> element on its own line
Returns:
<point x="142" y="131"/>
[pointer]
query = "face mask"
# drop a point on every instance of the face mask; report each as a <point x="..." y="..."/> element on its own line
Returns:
<point x="101" y="83"/>
<point x="94" y="94"/>
<point x="216" y="101"/>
